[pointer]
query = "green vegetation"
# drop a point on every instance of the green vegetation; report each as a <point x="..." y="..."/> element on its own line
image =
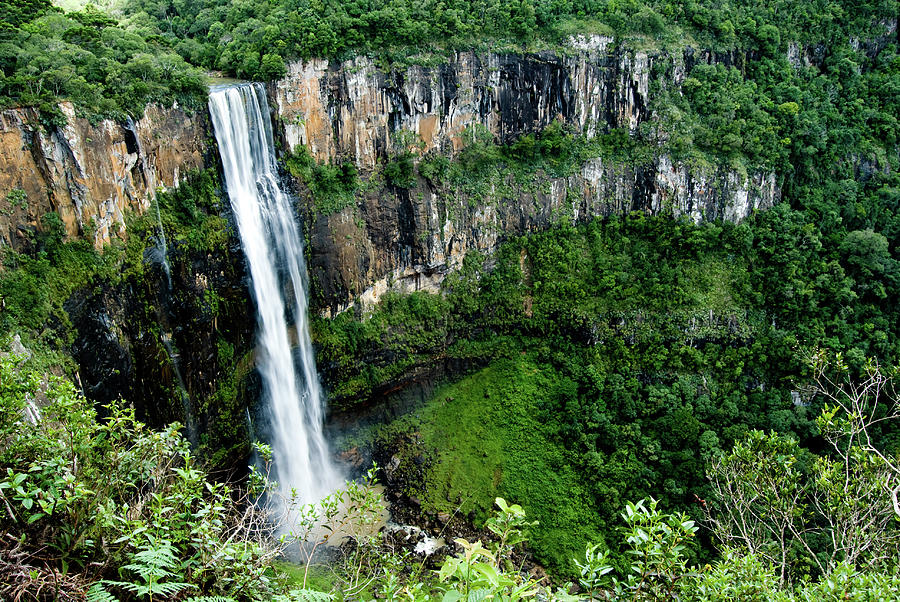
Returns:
<point x="406" y="331"/>
<point x="489" y="440"/>
<point x="636" y="349"/>
<point x="254" y="40"/>
<point x="35" y="285"/>
<point x="90" y="498"/>
<point x="50" y="276"/>
<point x="36" y="282"/>
<point x="190" y="214"/>
<point x="332" y="186"/>
<point x="110" y="509"/>
<point x="86" y="58"/>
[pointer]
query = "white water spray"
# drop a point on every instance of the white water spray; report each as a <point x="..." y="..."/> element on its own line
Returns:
<point x="271" y="241"/>
<point x="163" y="248"/>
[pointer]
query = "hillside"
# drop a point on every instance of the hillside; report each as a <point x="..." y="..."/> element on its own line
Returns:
<point x="553" y="262"/>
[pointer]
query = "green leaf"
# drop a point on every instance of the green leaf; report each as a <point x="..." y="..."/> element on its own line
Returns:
<point x="451" y="596"/>
<point x="448" y="568"/>
<point x="489" y="573"/>
<point x="478" y="595"/>
<point x="97" y="593"/>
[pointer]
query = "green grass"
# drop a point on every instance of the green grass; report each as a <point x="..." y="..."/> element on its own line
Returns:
<point x="490" y="442"/>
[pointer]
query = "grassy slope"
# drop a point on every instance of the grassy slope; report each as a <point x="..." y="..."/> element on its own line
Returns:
<point x="490" y="443"/>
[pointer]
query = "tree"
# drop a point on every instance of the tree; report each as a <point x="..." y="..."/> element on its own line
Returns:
<point x="844" y="510"/>
<point x="858" y="487"/>
<point x="272" y="66"/>
<point x="16" y="12"/>
<point x="759" y="499"/>
<point x="868" y="258"/>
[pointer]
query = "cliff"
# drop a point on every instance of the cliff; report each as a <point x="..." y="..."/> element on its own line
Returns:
<point x="408" y="238"/>
<point x="173" y="335"/>
<point x="389" y="237"/>
<point x="91" y="173"/>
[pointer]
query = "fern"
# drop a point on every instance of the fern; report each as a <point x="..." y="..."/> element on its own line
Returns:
<point x="209" y="599"/>
<point x="97" y="593"/>
<point x="154" y="562"/>
<point x="304" y="595"/>
<point x="153" y="566"/>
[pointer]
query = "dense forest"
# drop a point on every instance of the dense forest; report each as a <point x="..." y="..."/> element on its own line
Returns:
<point x="85" y="57"/>
<point x="673" y="409"/>
<point x="253" y="39"/>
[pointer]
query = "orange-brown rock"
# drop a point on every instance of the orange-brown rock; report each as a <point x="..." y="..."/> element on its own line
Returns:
<point x="350" y="110"/>
<point x="91" y="174"/>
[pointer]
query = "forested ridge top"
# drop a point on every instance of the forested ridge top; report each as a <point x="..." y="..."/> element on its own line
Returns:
<point x="114" y="65"/>
<point x="252" y="39"/>
<point x="86" y="57"/>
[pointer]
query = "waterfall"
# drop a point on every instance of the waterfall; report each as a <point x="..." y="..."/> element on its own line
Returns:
<point x="174" y="361"/>
<point x="166" y="336"/>
<point x="271" y="241"/>
<point x="163" y="248"/>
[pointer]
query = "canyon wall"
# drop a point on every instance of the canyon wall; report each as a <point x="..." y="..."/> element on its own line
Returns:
<point x="91" y="174"/>
<point x="391" y="237"/>
<point x="407" y="238"/>
<point x="175" y="340"/>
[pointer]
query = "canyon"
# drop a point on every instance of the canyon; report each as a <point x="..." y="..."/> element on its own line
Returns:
<point x="391" y="238"/>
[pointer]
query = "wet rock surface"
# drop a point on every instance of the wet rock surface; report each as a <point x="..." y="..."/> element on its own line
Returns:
<point x="123" y="331"/>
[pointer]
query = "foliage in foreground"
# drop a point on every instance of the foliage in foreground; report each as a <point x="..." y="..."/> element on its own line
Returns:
<point x="106" y="498"/>
<point x="805" y="513"/>
<point x="106" y="508"/>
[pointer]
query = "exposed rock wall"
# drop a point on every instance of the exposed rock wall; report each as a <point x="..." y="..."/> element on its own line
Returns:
<point x="350" y="110"/>
<point x="90" y="174"/>
<point x="408" y="239"/>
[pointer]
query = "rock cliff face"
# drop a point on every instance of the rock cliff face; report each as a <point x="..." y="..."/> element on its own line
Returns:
<point x="350" y="110"/>
<point x="175" y="343"/>
<point x="90" y="174"/>
<point x="390" y="238"/>
<point x="161" y="347"/>
<point x="407" y="239"/>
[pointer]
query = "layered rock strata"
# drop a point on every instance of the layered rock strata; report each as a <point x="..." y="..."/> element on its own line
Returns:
<point x="407" y="239"/>
<point x="91" y="174"/>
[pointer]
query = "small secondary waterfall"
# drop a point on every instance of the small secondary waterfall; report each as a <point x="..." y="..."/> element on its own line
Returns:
<point x="166" y="336"/>
<point x="271" y="241"/>
<point x="175" y="362"/>
<point x="163" y="248"/>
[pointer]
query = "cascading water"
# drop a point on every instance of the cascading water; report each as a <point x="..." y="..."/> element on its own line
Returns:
<point x="163" y="247"/>
<point x="271" y="241"/>
<point x="174" y="361"/>
<point x="161" y="254"/>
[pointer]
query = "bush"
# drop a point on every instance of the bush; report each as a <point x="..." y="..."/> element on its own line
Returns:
<point x="107" y="496"/>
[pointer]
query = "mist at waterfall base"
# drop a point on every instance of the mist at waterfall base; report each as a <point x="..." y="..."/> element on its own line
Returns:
<point x="292" y="395"/>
